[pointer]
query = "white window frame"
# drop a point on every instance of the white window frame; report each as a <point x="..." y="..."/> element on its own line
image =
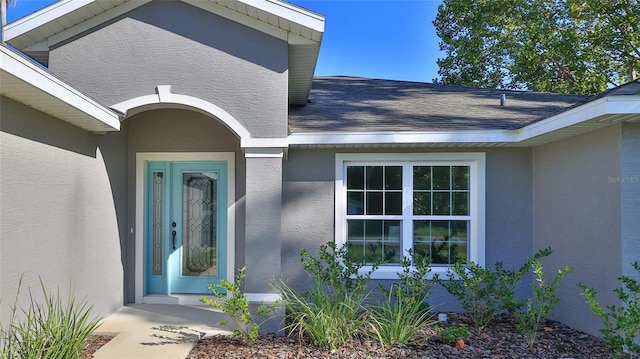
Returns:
<point x="476" y="162"/>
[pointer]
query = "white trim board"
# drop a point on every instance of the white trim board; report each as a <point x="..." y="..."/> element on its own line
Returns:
<point x="141" y="159"/>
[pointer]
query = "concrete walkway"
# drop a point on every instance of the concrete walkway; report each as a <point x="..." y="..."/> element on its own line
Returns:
<point x="157" y="331"/>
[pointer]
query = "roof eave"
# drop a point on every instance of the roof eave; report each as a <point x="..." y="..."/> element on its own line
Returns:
<point x="584" y="118"/>
<point x="31" y="85"/>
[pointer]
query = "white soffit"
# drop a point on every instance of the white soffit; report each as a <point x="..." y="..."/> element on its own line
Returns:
<point x="587" y="117"/>
<point x="27" y="83"/>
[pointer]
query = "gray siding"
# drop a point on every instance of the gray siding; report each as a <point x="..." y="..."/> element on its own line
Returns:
<point x="57" y="210"/>
<point x="577" y="213"/>
<point x="308" y="212"/>
<point x="239" y="69"/>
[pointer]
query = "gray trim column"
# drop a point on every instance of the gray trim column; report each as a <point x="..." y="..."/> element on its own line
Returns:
<point x="263" y="220"/>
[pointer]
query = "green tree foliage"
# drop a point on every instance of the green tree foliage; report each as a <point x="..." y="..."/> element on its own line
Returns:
<point x="562" y="46"/>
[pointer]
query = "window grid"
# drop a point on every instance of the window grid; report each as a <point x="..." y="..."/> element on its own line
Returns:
<point x="455" y="247"/>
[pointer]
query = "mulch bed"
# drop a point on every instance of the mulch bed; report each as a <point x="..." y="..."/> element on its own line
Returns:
<point x="95" y="342"/>
<point x="500" y="339"/>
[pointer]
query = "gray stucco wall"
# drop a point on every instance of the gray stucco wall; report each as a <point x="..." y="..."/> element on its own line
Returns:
<point x="308" y="209"/>
<point x="577" y="210"/>
<point x="57" y="211"/>
<point x="630" y="186"/>
<point x="239" y="69"/>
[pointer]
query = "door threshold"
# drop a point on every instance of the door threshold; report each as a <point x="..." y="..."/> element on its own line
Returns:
<point x="179" y="299"/>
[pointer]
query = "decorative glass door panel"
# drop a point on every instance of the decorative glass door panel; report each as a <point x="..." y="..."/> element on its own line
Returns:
<point x="186" y="226"/>
<point x="199" y="223"/>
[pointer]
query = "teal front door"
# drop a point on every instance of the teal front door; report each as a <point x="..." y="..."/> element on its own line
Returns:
<point x="186" y="218"/>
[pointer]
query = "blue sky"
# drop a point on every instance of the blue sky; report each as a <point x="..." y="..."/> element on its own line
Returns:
<point x="387" y="39"/>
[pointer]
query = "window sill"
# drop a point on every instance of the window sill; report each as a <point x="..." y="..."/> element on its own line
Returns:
<point x="391" y="272"/>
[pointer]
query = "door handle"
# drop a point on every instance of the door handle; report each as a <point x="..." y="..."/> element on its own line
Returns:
<point x="173" y="235"/>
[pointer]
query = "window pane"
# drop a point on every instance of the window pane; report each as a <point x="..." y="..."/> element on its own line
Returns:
<point x="393" y="177"/>
<point x="355" y="202"/>
<point x="355" y="239"/>
<point x="373" y="241"/>
<point x="459" y="230"/>
<point x="374" y="202"/>
<point x="374" y="177"/>
<point x="446" y="242"/>
<point x="422" y="177"/>
<point x="441" y="205"/>
<point x="441" y="177"/>
<point x="393" y="203"/>
<point x="460" y="203"/>
<point x="391" y="243"/>
<point x="355" y="177"/>
<point x="460" y="175"/>
<point x="421" y="203"/>
<point x="421" y="238"/>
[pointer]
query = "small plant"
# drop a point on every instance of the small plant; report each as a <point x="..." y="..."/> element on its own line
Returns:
<point x="230" y="299"/>
<point x="544" y="301"/>
<point x="453" y="333"/>
<point x="399" y="317"/>
<point x="485" y="292"/>
<point x="404" y="310"/>
<point x="332" y="311"/>
<point x="621" y="322"/>
<point x="328" y="322"/>
<point x="53" y="329"/>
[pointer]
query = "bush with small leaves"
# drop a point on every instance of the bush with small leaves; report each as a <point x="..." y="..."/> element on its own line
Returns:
<point x="412" y="280"/>
<point x="485" y="292"/>
<point x="453" y="333"/>
<point x="544" y="301"/>
<point x="230" y="299"/>
<point x="621" y="322"/>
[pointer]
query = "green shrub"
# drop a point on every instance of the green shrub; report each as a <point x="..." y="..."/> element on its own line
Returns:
<point x="544" y="301"/>
<point x="230" y="299"/>
<point x="621" y="322"/>
<point x="453" y="333"/>
<point x="332" y="311"/>
<point x="52" y="329"/>
<point x="485" y="292"/>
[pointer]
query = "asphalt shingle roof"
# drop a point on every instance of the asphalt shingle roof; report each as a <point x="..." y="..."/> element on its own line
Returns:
<point x="359" y="104"/>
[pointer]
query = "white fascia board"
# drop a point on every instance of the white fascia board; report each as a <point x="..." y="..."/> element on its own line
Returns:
<point x="40" y="79"/>
<point x="405" y="137"/>
<point x="609" y="105"/>
<point x="42" y="17"/>
<point x="290" y="12"/>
